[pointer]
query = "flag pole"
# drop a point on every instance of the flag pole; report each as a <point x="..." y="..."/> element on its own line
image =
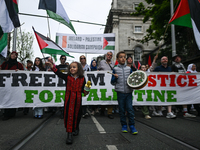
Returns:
<point x="173" y="30"/>
<point x="14" y="38"/>
<point x="48" y="26"/>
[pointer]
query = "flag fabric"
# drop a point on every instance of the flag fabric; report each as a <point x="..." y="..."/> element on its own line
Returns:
<point x="108" y="42"/>
<point x="16" y="6"/>
<point x="134" y="65"/>
<point x="139" y="65"/>
<point x="56" y="11"/>
<point x="48" y="46"/>
<point x="187" y="14"/>
<point x="182" y="16"/>
<point x="8" y="16"/>
<point x="116" y="63"/>
<point x="3" y="45"/>
<point x="1" y="32"/>
<point x="149" y="61"/>
<point x="194" y="6"/>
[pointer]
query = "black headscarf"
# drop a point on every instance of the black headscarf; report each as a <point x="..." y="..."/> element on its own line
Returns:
<point x="12" y="62"/>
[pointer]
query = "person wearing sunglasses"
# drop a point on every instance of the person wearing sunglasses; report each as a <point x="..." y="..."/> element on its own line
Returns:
<point x="64" y="69"/>
<point x="85" y="66"/>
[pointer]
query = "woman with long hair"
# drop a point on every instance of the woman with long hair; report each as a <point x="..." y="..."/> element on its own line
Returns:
<point x="38" y="66"/>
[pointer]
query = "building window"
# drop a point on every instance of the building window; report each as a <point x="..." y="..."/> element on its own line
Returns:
<point x="138" y="54"/>
<point x="135" y="5"/>
<point x="138" y="29"/>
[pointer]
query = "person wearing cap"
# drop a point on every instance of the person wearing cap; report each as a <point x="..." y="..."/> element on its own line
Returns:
<point x="29" y="65"/>
<point x="179" y="67"/>
<point x="11" y="64"/>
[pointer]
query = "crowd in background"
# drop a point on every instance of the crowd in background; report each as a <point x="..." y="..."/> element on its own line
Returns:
<point x="39" y="65"/>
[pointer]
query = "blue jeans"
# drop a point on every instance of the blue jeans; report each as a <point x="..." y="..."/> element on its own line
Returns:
<point x="125" y="104"/>
<point x="38" y="111"/>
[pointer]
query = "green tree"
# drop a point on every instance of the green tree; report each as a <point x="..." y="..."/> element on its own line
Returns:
<point x="158" y="12"/>
<point x="24" y="45"/>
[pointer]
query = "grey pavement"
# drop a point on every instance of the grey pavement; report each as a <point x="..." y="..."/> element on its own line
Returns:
<point x="154" y="134"/>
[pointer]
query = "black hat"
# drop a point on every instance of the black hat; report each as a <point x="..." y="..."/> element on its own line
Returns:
<point x="129" y="57"/>
<point x="29" y="61"/>
<point x="174" y="57"/>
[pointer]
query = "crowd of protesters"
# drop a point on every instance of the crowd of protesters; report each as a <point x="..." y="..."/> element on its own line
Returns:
<point x="108" y="65"/>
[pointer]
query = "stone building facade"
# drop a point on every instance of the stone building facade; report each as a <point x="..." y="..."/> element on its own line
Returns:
<point x="128" y="29"/>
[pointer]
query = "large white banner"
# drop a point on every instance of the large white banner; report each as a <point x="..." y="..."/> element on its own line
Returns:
<point x="87" y="43"/>
<point x="45" y="89"/>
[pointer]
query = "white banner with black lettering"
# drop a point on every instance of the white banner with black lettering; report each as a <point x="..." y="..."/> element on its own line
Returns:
<point x="87" y="43"/>
<point x="45" y="89"/>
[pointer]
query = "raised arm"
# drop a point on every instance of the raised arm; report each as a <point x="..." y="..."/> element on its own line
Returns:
<point x="57" y="72"/>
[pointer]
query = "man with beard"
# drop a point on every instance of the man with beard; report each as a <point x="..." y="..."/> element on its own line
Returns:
<point x="107" y="64"/>
<point x="165" y="68"/>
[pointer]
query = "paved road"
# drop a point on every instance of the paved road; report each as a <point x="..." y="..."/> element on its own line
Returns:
<point x="100" y="132"/>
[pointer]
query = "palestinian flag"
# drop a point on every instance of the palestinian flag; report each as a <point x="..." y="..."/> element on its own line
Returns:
<point x="16" y="6"/>
<point x="182" y="16"/>
<point x="56" y="11"/>
<point x="3" y="45"/>
<point x="8" y="16"/>
<point x="108" y="42"/>
<point x="187" y="14"/>
<point x="139" y="65"/>
<point x="48" y="46"/>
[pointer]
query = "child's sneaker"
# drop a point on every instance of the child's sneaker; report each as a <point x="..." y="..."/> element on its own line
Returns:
<point x="133" y="130"/>
<point x="124" y="129"/>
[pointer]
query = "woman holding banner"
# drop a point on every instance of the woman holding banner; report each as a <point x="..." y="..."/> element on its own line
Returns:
<point x="192" y="69"/>
<point x="94" y="108"/>
<point x="86" y="67"/>
<point x="11" y="64"/>
<point x="38" y="66"/>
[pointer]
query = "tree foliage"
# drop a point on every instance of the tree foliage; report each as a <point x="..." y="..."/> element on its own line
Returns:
<point x="158" y="12"/>
<point x="24" y="45"/>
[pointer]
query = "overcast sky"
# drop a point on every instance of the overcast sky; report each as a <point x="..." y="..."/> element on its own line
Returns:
<point x="95" y="11"/>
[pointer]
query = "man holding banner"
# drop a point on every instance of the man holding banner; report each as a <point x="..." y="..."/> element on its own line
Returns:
<point x="179" y="67"/>
<point x="165" y="68"/>
<point x="107" y="64"/>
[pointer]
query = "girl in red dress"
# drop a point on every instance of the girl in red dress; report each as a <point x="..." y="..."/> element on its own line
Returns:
<point x="75" y="83"/>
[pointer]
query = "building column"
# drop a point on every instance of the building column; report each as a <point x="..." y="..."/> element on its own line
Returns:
<point x="116" y="31"/>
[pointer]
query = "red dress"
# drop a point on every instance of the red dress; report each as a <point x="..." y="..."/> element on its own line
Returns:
<point x="73" y="100"/>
